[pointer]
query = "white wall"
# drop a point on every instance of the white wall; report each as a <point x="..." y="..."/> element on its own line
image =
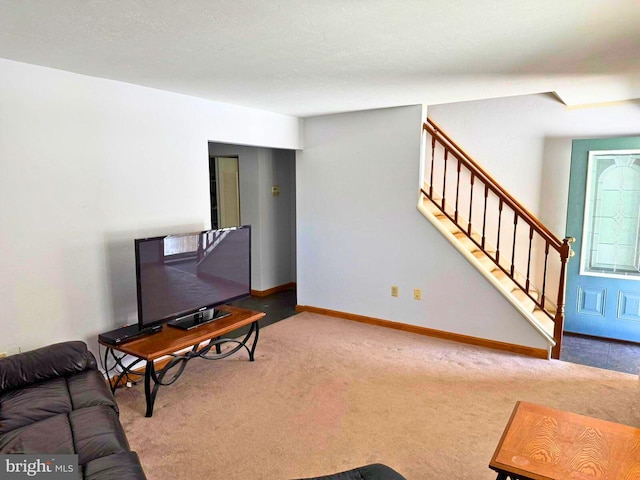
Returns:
<point x="359" y="232"/>
<point x="87" y="165"/>
<point x="272" y="219"/>
<point x="524" y="142"/>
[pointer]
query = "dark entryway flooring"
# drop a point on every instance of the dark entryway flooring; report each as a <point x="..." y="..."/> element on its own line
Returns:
<point x="601" y="352"/>
<point x="592" y="351"/>
<point x="277" y="306"/>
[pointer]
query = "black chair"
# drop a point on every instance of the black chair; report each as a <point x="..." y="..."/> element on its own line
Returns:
<point x="375" y="471"/>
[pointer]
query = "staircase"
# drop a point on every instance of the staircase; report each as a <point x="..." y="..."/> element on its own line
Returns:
<point x="511" y="248"/>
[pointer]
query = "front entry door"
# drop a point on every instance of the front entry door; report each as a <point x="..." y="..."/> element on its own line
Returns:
<point x="603" y="279"/>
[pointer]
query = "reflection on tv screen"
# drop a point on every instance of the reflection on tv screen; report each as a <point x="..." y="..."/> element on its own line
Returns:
<point x="180" y="274"/>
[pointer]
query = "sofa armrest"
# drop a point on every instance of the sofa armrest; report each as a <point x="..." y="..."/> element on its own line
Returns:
<point x="57" y="360"/>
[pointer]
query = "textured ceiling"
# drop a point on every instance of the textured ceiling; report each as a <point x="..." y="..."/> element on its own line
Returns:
<point x="307" y="58"/>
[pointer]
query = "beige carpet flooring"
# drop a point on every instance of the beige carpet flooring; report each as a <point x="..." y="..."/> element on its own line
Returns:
<point x="326" y="395"/>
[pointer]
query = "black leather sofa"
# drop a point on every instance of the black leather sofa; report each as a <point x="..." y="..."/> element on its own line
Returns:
<point x="53" y="400"/>
<point x="375" y="471"/>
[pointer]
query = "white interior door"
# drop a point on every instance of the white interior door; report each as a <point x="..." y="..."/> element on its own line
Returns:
<point x="228" y="191"/>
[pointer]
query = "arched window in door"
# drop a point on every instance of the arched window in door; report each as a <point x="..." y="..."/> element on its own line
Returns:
<point x="611" y="245"/>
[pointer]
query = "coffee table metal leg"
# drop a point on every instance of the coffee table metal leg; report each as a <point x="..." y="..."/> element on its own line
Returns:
<point x="255" y="340"/>
<point x="150" y="373"/>
<point x="510" y="476"/>
<point x="147" y="388"/>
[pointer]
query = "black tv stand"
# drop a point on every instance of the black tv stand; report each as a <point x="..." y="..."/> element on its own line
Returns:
<point x="198" y="319"/>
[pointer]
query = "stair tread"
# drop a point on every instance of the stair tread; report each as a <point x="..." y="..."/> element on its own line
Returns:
<point x="474" y="235"/>
<point x="486" y="261"/>
<point x="533" y="293"/>
<point x="436" y="209"/>
<point x="504" y="279"/>
<point x="524" y="299"/>
<point x="543" y="320"/>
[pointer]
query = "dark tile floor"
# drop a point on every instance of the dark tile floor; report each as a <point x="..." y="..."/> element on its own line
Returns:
<point x="601" y="352"/>
<point x="277" y="306"/>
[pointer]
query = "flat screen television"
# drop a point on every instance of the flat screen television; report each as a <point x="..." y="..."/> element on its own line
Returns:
<point x="181" y="279"/>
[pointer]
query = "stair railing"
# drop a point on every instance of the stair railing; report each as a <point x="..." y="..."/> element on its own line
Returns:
<point x="525" y="250"/>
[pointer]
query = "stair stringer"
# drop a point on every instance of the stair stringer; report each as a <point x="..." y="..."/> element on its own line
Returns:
<point x="425" y="207"/>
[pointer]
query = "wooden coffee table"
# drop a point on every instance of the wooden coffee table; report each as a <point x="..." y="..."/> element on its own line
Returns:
<point x="541" y="443"/>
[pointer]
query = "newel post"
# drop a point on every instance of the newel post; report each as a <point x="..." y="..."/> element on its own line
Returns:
<point x="565" y="254"/>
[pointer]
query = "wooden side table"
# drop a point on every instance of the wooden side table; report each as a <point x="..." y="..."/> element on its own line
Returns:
<point x="541" y="443"/>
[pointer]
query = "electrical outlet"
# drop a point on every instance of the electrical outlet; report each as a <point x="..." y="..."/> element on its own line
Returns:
<point x="394" y="290"/>
<point x="417" y="294"/>
<point x="3" y="354"/>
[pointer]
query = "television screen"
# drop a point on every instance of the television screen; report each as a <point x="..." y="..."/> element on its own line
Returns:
<point x="182" y="276"/>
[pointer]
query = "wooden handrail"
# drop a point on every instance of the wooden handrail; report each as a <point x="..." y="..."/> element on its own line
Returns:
<point x="453" y="152"/>
<point x="473" y="166"/>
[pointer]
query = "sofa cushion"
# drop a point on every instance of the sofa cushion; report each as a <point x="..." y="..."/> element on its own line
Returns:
<point x="88" y="389"/>
<point x="97" y="432"/>
<point x="51" y="435"/>
<point x="33" y="403"/>
<point x="57" y="360"/>
<point x="38" y="401"/>
<point x="114" y="467"/>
